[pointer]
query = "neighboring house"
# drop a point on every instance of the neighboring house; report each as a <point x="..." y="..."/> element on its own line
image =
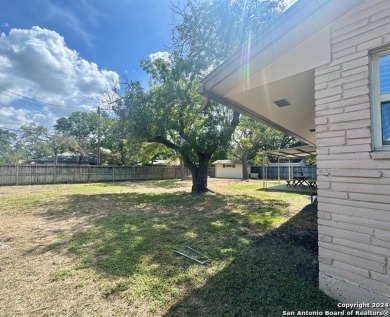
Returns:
<point x="166" y="162"/>
<point x="321" y="72"/>
<point x="66" y="158"/>
<point x="228" y="169"/>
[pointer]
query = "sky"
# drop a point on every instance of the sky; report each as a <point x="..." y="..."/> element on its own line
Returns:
<point x="57" y="56"/>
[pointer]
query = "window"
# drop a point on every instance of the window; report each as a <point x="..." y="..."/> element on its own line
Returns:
<point x="381" y="100"/>
<point x="229" y="165"/>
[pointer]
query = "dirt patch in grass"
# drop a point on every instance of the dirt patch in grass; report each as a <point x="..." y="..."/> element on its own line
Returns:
<point x="106" y="250"/>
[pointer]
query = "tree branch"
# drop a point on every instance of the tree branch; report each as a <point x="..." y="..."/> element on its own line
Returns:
<point x="166" y="142"/>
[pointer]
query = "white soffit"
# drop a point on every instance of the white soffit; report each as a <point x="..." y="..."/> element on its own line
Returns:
<point x="296" y="118"/>
<point x="289" y="76"/>
<point x="309" y="54"/>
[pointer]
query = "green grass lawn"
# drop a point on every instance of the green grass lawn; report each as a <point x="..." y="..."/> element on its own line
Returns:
<point x="112" y="244"/>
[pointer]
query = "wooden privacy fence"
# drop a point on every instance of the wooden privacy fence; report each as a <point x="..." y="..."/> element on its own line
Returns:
<point x="49" y="174"/>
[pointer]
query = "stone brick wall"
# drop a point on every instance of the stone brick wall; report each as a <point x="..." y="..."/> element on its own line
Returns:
<point x="353" y="182"/>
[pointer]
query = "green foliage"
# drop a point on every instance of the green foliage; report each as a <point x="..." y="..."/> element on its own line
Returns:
<point x="258" y="137"/>
<point x="123" y="149"/>
<point x="6" y="146"/>
<point x="34" y="141"/>
<point x="311" y="160"/>
<point x="59" y="143"/>
<point x="169" y="113"/>
<point x="88" y="127"/>
<point x="252" y="138"/>
<point x="83" y="126"/>
<point x="79" y="124"/>
<point x="150" y="151"/>
<point x="209" y="31"/>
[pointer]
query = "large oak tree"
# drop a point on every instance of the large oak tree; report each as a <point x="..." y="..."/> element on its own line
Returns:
<point x="169" y="112"/>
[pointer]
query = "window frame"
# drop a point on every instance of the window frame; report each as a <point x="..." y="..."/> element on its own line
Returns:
<point x="377" y="100"/>
<point x="229" y="165"/>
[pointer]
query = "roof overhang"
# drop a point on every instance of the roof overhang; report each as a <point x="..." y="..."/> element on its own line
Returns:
<point x="279" y="65"/>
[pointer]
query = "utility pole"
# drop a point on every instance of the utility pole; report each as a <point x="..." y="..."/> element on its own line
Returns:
<point x="98" y="143"/>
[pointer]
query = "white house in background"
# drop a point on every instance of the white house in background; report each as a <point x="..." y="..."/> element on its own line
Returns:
<point x="321" y="72"/>
<point x="228" y="169"/>
<point x="166" y="162"/>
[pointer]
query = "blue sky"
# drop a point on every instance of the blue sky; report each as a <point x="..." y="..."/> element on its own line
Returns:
<point x="64" y="53"/>
<point x="114" y="34"/>
<point x="56" y="56"/>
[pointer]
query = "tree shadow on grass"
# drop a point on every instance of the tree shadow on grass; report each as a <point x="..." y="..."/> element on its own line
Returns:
<point x="130" y="237"/>
<point x="124" y="230"/>
<point x="277" y="272"/>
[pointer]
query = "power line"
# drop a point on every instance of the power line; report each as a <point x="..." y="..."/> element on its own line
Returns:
<point x="10" y="129"/>
<point x="31" y="103"/>
<point x="36" y="100"/>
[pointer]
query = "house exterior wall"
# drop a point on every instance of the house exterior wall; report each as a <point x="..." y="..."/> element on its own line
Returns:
<point x="228" y="172"/>
<point x="353" y="181"/>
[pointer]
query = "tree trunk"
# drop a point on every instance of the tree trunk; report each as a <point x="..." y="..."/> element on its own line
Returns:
<point x="244" y="161"/>
<point x="199" y="179"/>
<point x="199" y="171"/>
<point x="182" y="172"/>
<point x="122" y="154"/>
<point x="55" y="158"/>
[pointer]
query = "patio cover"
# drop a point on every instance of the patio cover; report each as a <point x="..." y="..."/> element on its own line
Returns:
<point x="290" y="153"/>
<point x="278" y="67"/>
<point x="293" y="153"/>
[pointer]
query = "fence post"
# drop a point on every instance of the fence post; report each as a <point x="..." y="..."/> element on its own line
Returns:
<point x="89" y="174"/>
<point x="263" y="171"/>
<point x="55" y="175"/>
<point x="17" y="174"/>
<point x="113" y="174"/>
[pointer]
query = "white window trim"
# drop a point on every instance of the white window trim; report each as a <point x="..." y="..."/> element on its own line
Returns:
<point x="377" y="98"/>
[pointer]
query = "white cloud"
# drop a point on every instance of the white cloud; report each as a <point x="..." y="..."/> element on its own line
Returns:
<point x="160" y="55"/>
<point x="13" y="118"/>
<point x="38" y="64"/>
